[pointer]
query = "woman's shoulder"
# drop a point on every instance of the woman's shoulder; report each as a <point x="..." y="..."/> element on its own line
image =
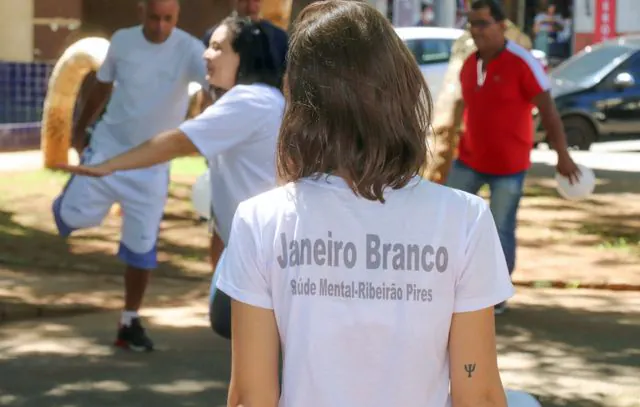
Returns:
<point x="453" y="200"/>
<point x="256" y="93"/>
<point x="268" y="206"/>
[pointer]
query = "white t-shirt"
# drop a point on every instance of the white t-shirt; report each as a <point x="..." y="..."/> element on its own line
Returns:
<point x="363" y="292"/>
<point x="238" y="136"/>
<point x="150" y="92"/>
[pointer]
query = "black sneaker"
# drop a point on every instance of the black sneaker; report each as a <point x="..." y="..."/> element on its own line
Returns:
<point x="133" y="337"/>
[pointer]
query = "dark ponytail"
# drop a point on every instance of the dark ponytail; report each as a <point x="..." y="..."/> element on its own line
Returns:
<point x="258" y="62"/>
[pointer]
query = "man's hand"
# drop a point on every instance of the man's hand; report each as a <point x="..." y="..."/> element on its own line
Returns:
<point x="568" y="168"/>
<point x="100" y="170"/>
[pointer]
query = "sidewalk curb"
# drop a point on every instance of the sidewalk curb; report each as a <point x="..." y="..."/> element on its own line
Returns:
<point x="21" y="311"/>
<point x="576" y="285"/>
<point x="14" y="308"/>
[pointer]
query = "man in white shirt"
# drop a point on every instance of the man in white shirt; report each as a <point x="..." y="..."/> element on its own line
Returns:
<point x="145" y="78"/>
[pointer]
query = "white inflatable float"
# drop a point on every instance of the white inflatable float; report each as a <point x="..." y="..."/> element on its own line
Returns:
<point x="201" y="195"/>
<point x="80" y="59"/>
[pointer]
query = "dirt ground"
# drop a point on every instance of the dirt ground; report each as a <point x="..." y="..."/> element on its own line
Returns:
<point x="592" y="242"/>
<point x="568" y="347"/>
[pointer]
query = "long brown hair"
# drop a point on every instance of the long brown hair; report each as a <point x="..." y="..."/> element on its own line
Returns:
<point x="357" y="103"/>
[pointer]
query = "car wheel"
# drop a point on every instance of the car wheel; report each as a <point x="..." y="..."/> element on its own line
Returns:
<point x="580" y="133"/>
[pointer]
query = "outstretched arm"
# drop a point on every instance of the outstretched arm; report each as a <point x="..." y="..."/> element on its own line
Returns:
<point x="162" y="148"/>
<point x="98" y="95"/>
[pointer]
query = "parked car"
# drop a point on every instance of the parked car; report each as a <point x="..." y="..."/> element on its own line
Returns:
<point x="431" y="46"/>
<point x="597" y="92"/>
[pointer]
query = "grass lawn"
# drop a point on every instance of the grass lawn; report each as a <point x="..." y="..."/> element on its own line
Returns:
<point x="28" y="236"/>
<point x="596" y="240"/>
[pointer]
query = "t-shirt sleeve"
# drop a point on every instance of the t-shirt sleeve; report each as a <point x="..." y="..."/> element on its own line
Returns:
<point x="483" y="280"/>
<point x="534" y="79"/>
<point x="197" y="66"/>
<point x="225" y="124"/>
<point x="107" y="71"/>
<point x="242" y="272"/>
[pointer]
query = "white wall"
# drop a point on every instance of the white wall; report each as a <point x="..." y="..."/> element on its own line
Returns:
<point x="628" y="16"/>
<point x="16" y="30"/>
<point x="381" y="5"/>
<point x="405" y="12"/>
<point x="583" y="11"/>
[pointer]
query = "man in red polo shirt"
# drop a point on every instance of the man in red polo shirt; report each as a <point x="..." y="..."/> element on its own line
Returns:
<point x="500" y="84"/>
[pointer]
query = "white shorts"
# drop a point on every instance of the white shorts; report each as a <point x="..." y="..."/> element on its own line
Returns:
<point x="142" y="194"/>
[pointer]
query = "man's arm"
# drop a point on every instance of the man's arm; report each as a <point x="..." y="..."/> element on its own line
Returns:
<point x="555" y="135"/>
<point x="536" y="86"/>
<point x="475" y="380"/>
<point x="99" y="93"/>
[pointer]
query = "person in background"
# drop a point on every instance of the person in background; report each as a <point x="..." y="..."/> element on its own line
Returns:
<point x="251" y="9"/>
<point x="427" y="15"/>
<point x="565" y="37"/>
<point x="500" y="84"/>
<point x="144" y="78"/>
<point x="237" y="134"/>
<point x="376" y="285"/>
<point x="546" y="26"/>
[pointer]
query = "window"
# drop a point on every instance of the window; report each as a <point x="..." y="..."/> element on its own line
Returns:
<point x="631" y="66"/>
<point x="589" y="67"/>
<point x="430" y="50"/>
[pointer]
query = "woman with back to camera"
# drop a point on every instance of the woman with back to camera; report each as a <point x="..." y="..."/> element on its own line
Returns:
<point x="237" y="134"/>
<point x="378" y="286"/>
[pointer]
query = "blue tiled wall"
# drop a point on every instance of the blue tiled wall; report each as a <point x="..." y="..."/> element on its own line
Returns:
<point x="23" y="87"/>
<point x="22" y="90"/>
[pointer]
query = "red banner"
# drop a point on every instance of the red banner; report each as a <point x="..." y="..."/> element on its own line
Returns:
<point x="604" y="20"/>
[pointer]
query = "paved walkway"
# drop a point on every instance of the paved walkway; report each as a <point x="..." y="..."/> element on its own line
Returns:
<point x="570" y="348"/>
<point x="26" y="161"/>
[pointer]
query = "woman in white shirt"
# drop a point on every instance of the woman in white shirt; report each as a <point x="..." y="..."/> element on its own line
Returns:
<point x="377" y="286"/>
<point x="237" y="134"/>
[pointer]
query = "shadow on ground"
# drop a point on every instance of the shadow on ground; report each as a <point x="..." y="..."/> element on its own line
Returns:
<point x="59" y="364"/>
<point x="610" y="219"/>
<point x="566" y="356"/>
<point x="28" y="238"/>
<point x="572" y="356"/>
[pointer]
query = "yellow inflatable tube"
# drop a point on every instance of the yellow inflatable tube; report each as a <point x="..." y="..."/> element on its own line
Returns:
<point x="80" y="59"/>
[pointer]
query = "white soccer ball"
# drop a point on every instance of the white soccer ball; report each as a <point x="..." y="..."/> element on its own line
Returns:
<point x="201" y="196"/>
<point x="521" y="399"/>
<point x="579" y="190"/>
